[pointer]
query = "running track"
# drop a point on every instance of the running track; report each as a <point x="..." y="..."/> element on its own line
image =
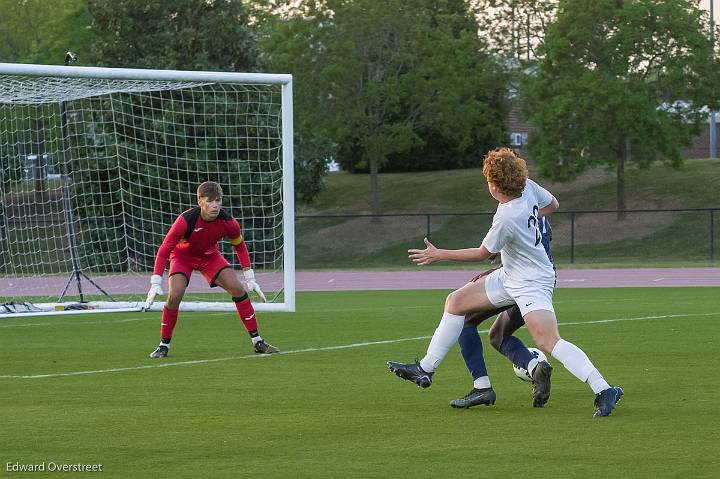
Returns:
<point x="374" y="280"/>
<point x="570" y="278"/>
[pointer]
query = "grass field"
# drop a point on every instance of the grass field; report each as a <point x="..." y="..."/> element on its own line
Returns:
<point x="328" y="407"/>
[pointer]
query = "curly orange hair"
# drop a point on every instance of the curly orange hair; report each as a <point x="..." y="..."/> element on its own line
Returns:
<point x="506" y="170"/>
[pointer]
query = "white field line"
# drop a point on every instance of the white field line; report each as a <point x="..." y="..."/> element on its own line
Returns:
<point x="205" y="361"/>
<point x="326" y="348"/>
<point x="75" y="323"/>
<point x="155" y="317"/>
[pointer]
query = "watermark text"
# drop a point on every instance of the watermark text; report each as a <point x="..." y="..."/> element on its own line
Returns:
<point x="52" y="467"/>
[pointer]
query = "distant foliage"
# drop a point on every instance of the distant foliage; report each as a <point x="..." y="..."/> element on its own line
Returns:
<point x="514" y="29"/>
<point x="144" y="171"/>
<point x="41" y="31"/>
<point x="402" y="84"/>
<point x="213" y="35"/>
<point x="620" y="80"/>
<point x="173" y="34"/>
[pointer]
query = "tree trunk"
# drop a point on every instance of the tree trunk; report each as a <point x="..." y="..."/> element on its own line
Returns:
<point x="622" y="159"/>
<point x="374" y="190"/>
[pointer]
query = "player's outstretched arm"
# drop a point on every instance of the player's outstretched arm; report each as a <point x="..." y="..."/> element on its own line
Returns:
<point x="431" y="254"/>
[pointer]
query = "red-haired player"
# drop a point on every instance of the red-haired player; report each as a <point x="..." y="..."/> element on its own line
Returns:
<point x="191" y="244"/>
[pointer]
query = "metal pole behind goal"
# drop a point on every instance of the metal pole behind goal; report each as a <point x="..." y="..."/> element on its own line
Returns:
<point x="67" y="205"/>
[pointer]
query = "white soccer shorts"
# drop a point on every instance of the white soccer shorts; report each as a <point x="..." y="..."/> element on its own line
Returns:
<point x="528" y="299"/>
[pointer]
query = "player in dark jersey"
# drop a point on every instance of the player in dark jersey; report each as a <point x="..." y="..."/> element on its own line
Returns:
<point x="191" y="244"/>
<point x="501" y="337"/>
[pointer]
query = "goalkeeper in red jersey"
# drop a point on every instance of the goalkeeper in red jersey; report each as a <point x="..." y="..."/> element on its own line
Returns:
<point x="191" y="244"/>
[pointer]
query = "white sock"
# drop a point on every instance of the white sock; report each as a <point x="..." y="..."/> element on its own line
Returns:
<point x="481" y="382"/>
<point x="256" y="339"/>
<point x="574" y="359"/>
<point x="597" y="382"/>
<point x="445" y="336"/>
<point x="167" y="345"/>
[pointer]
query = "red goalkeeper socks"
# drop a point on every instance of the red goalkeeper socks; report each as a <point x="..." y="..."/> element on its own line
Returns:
<point x="169" y="320"/>
<point x="247" y="313"/>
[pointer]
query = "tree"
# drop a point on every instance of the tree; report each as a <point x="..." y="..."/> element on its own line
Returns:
<point x="313" y="147"/>
<point x="388" y="83"/>
<point x="215" y="35"/>
<point x="37" y="31"/>
<point x="174" y="34"/>
<point x="514" y="29"/>
<point x="177" y="34"/>
<point x="19" y="27"/>
<point x="622" y="84"/>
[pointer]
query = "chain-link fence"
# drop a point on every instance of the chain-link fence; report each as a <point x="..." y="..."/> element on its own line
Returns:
<point x="658" y="237"/>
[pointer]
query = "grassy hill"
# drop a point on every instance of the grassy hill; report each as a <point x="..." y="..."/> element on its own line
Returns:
<point x="695" y="185"/>
<point x="599" y="239"/>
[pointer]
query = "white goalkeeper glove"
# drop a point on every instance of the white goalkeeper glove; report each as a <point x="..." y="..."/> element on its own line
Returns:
<point x="155" y="289"/>
<point x="252" y="284"/>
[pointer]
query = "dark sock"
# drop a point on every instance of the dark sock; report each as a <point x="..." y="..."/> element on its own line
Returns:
<point x="472" y="351"/>
<point x="515" y="351"/>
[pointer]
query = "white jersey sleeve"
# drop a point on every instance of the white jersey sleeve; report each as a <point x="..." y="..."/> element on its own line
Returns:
<point x="498" y="235"/>
<point x="544" y="197"/>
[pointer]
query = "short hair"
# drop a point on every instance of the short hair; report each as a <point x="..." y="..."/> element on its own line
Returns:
<point x="507" y="171"/>
<point x="210" y="190"/>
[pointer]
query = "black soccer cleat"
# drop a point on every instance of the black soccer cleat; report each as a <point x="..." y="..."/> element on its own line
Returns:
<point x="412" y="372"/>
<point x="475" y="397"/>
<point x="160" y="352"/>
<point x="261" y="347"/>
<point x="541" y="383"/>
<point x="605" y="401"/>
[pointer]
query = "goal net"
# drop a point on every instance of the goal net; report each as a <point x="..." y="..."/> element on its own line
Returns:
<point x="97" y="163"/>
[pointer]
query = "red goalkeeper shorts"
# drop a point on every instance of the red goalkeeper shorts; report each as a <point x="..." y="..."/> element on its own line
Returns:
<point x="209" y="266"/>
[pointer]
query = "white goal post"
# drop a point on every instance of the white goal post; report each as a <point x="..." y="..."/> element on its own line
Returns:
<point x="96" y="163"/>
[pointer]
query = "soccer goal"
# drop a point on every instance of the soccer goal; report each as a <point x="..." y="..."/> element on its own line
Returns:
<point x="98" y="162"/>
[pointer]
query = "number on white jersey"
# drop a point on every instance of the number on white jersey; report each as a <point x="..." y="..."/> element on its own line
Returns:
<point x="535" y="224"/>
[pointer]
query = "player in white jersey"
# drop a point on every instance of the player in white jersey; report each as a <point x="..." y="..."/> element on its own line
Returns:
<point x="526" y="279"/>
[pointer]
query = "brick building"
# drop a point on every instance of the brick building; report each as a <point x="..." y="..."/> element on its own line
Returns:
<point x="701" y="144"/>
